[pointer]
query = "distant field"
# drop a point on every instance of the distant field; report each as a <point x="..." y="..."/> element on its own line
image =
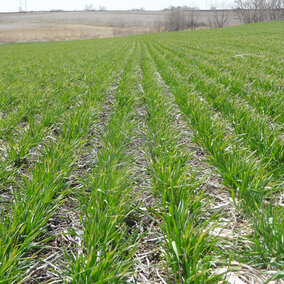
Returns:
<point x="144" y="159"/>
<point x="58" y="26"/>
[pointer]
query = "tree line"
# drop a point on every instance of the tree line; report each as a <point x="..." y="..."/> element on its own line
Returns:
<point x="252" y="11"/>
<point x="248" y="11"/>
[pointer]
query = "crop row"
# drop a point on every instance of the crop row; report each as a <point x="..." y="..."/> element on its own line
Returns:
<point x="252" y="126"/>
<point x="41" y="189"/>
<point x="188" y="247"/>
<point x="241" y="169"/>
<point x="104" y="130"/>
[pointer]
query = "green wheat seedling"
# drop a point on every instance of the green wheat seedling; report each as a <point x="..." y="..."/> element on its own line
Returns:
<point x="38" y="198"/>
<point x="245" y="174"/>
<point x="188" y="248"/>
<point x="264" y="94"/>
<point x="68" y="131"/>
<point x="108" y="247"/>
<point x="240" y="78"/>
<point x="253" y="127"/>
<point x="41" y="194"/>
<point x="17" y="150"/>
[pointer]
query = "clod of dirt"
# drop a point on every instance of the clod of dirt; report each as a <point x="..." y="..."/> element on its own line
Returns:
<point x="20" y="162"/>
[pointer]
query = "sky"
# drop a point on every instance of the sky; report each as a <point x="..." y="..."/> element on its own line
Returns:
<point x="38" y="5"/>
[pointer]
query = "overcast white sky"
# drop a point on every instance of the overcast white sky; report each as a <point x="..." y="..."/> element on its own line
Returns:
<point x="36" y="5"/>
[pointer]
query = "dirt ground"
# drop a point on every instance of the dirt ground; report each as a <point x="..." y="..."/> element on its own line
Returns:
<point x="60" y="26"/>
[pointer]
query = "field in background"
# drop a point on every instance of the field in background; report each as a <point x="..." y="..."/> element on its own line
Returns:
<point x="60" y="26"/>
<point x="144" y="159"/>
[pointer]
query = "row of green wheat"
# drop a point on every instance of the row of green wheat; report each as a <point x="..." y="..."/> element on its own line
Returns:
<point x="46" y="127"/>
<point x="40" y="184"/>
<point x="253" y="182"/>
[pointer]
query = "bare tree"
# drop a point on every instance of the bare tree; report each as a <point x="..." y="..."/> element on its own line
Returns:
<point x="220" y="17"/>
<point x="193" y="19"/>
<point x="178" y="19"/>
<point x="248" y="10"/>
<point x="251" y="11"/>
<point x="23" y="3"/>
<point x="175" y="20"/>
<point x="160" y="25"/>
<point x="275" y="10"/>
<point x="89" y="7"/>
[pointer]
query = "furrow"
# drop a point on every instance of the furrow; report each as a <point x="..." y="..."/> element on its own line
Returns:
<point x="148" y="266"/>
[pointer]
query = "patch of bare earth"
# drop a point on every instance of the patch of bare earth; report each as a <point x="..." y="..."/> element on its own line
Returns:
<point x="61" y="25"/>
<point x="148" y="267"/>
<point x="42" y="32"/>
<point x="53" y="32"/>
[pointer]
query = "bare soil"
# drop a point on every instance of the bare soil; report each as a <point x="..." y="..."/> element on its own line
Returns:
<point x="61" y="26"/>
